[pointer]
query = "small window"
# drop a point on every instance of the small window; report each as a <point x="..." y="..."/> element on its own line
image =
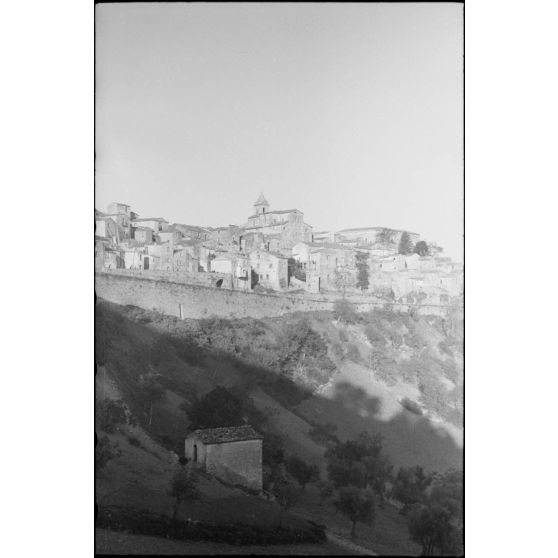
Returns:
<point x="267" y="277"/>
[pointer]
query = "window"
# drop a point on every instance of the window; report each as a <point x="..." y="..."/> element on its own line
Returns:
<point x="195" y="453"/>
<point x="270" y="266"/>
<point x="267" y="277"/>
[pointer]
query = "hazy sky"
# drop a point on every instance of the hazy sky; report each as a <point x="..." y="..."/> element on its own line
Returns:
<point x="350" y="113"/>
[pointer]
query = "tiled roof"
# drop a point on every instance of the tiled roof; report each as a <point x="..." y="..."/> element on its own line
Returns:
<point x="270" y="252"/>
<point x="374" y="229"/>
<point x="160" y="219"/>
<point x="277" y="211"/>
<point x="226" y="434"/>
<point x="192" y="227"/>
<point x="328" y="245"/>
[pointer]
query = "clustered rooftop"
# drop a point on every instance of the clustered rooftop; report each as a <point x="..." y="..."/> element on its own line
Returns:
<point x="273" y="250"/>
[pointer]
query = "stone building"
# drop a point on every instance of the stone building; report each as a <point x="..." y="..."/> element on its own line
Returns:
<point x="374" y="235"/>
<point x="156" y="224"/>
<point x="116" y="208"/>
<point x="107" y="227"/>
<point x="143" y="235"/>
<point x="172" y="235"/>
<point x="133" y="258"/>
<point x="193" y="232"/>
<point x="289" y="223"/>
<point x="236" y="265"/>
<point x="233" y="454"/>
<point x="326" y="261"/>
<point x="271" y="269"/>
<point x="227" y="237"/>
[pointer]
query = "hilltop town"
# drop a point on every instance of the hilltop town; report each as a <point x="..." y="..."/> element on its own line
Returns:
<point x="277" y="251"/>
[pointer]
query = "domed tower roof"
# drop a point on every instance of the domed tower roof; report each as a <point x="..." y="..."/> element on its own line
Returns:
<point x="261" y="200"/>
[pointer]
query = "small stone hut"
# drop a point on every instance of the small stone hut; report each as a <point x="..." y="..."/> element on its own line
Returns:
<point x="233" y="453"/>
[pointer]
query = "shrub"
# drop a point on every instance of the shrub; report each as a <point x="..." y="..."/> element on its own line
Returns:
<point x="356" y="505"/>
<point x="146" y="523"/>
<point x="105" y="451"/>
<point x="109" y="415"/>
<point x="411" y="405"/>
<point x="324" y="433"/>
<point x="217" y="408"/>
<point x="374" y="336"/>
<point x="352" y="353"/>
<point x="133" y="441"/>
<point x="301" y="471"/>
<point x="344" y="311"/>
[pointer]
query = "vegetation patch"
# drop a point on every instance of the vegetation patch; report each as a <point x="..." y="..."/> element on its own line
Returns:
<point x="239" y="534"/>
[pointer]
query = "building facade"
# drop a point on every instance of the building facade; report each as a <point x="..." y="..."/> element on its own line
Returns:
<point x="233" y="454"/>
<point x="271" y="269"/>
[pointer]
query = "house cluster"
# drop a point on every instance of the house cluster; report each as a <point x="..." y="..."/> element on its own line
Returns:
<point x="275" y="250"/>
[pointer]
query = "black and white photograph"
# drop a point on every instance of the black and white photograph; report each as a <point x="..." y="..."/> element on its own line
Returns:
<point x="279" y="278"/>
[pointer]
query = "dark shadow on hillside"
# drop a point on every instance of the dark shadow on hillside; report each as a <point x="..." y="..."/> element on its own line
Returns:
<point x="408" y="438"/>
<point x="125" y="345"/>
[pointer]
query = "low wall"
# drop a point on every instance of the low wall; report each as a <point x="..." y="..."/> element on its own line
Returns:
<point x="188" y="278"/>
<point x="197" y="301"/>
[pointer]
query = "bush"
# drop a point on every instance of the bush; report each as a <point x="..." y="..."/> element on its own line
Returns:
<point x="324" y="433"/>
<point x="105" y="451"/>
<point x="133" y="441"/>
<point x="344" y="311"/>
<point x="411" y="405"/>
<point x="352" y="353"/>
<point x="109" y="415"/>
<point x="374" y="336"/>
<point x="301" y="471"/>
<point x="217" y="408"/>
<point x="146" y="523"/>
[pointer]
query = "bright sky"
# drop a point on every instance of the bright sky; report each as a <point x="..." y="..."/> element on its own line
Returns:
<point x="352" y="113"/>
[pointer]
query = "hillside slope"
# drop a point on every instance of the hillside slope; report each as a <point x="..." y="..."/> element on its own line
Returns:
<point x="299" y="371"/>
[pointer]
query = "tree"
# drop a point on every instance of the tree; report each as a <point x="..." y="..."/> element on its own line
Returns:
<point x="361" y="262"/>
<point x="405" y="244"/>
<point x="324" y="433"/>
<point x="284" y="490"/>
<point x="385" y="236"/>
<point x="326" y="488"/>
<point x="254" y="279"/>
<point x="301" y="471"/>
<point x="356" y="505"/>
<point x="421" y="248"/>
<point x="149" y="392"/>
<point x="447" y="491"/>
<point x="410" y="484"/>
<point x="342" y="279"/>
<point x="217" y="408"/>
<point x="183" y="487"/>
<point x="431" y="527"/>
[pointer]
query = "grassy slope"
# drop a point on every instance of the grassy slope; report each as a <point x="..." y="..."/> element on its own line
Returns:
<point x="110" y="542"/>
<point x="354" y="400"/>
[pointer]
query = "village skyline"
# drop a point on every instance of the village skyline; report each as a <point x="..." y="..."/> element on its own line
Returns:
<point x="200" y="107"/>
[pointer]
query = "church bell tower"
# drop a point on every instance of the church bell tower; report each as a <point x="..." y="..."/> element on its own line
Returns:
<point x="261" y="206"/>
